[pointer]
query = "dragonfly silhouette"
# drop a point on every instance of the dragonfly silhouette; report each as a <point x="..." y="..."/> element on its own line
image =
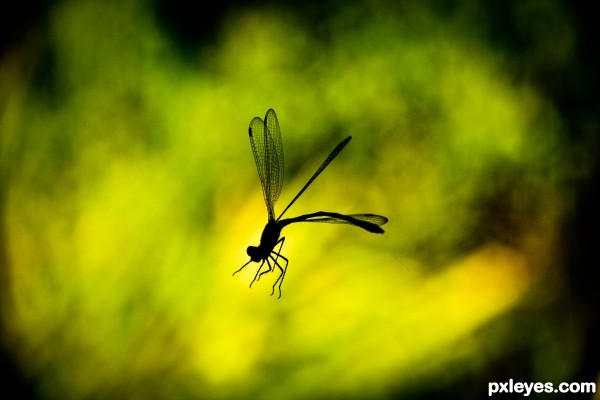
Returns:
<point x="265" y="139"/>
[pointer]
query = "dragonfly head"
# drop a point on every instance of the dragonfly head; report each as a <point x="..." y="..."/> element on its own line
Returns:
<point x="254" y="254"/>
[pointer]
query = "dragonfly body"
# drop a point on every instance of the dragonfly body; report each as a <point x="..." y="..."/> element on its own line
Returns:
<point x="265" y="252"/>
<point x="268" y="241"/>
<point x="265" y="139"/>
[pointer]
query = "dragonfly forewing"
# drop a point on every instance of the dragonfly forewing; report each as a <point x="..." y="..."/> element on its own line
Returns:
<point x="265" y="140"/>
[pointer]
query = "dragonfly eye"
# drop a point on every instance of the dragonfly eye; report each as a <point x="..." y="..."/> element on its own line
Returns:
<point x="252" y="251"/>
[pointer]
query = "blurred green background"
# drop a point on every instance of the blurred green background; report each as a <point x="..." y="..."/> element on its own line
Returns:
<point x="129" y="194"/>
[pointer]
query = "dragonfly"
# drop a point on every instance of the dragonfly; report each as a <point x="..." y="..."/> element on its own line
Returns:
<point x="265" y="140"/>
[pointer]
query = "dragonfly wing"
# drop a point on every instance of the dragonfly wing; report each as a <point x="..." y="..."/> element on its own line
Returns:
<point x="369" y="222"/>
<point x="276" y="155"/>
<point x="265" y="139"/>
<point x="370" y="218"/>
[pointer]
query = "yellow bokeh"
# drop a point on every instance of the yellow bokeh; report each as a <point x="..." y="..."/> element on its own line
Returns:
<point x="131" y="196"/>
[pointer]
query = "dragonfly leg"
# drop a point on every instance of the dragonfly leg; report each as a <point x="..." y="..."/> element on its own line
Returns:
<point x="282" y="269"/>
<point x="259" y="268"/>
<point x="278" y="252"/>
<point x="264" y="272"/>
<point x="280" y="242"/>
<point x="258" y="275"/>
<point x="242" y="267"/>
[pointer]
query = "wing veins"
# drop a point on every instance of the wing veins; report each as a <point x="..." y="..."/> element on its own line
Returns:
<point x="267" y="148"/>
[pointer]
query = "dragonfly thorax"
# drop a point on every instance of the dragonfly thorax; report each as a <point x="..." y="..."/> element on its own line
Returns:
<point x="268" y="240"/>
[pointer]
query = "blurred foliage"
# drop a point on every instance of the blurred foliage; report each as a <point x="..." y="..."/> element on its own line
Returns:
<point x="130" y="195"/>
